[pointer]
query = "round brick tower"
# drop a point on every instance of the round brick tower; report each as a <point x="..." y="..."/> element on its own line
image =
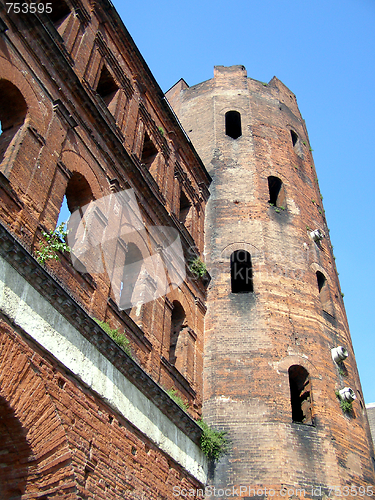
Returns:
<point x="275" y="310"/>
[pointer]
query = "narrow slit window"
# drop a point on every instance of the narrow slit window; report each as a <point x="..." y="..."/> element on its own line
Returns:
<point x="13" y="110"/>
<point x="276" y="192"/>
<point x="233" y="124"/>
<point x="324" y="294"/>
<point x="241" y="272"/>
<point x="300" y="394"/>
<point x="294" y="137"/>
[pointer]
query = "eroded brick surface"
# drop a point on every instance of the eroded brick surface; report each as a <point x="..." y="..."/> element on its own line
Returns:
<point x="60" y="441"/>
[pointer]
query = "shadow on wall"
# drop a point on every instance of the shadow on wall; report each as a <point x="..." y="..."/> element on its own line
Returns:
<point x="15" y="453"/>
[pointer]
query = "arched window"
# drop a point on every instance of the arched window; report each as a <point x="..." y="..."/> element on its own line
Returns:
<point x="178" y="323"/>
<point x="78" y="192"/>
<point x="324" y="294"/>
<point x="241" y="272"/>
<point x="13" y="109"/>
<point x="233" y="124"/>
<point x="276" y="191"/>
<point x="300" y="394"/>
<point x="132" y="269"/>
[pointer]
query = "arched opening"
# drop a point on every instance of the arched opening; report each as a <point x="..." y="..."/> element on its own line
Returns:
<point x="132" y="269"/>
<point x="276" y="192"/>
<point x="78" y="192"/>
<point x="324" y="294"/>
<point x="15" y="452"/>
<point x="241" y="272"/>
<point x="300" y="394"/>
<point x="233" y="124"/>
<point x="178" y="323"/>
<point x="13" y="110"/>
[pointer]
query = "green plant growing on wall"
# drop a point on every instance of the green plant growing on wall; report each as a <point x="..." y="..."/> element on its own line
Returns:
<point x="115" y="335"/>
<point x="213" y="443"/>
<point x="341" y="370"/>
<point x="161" y="130"/>
<point x="198" y="267"/>
<point x="346" y="406"/>
<point x="54" y="243"/>
<point x="172" y="393"/>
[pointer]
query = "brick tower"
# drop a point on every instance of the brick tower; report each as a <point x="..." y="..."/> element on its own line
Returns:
<point x="275" y="319"/>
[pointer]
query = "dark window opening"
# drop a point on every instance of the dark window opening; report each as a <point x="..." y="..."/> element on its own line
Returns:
<point x="324" y="294"/>
<point x="178" y="324"/>
<point x="294" y="137"/>
<point x="60" y="10"/>
<point x="13" y="109"/>
<point x="185" y="207"/>
<point x="241" y="272"/>
<point x="276" y="191"/>
<point x="149" y="152"/>
<point x="233" y="124"/>
<point x="300" y="394"/>
<point x="107" y="87"/>
<point x="321" y="280"/>
<point x="78" y="192"/>
<point x="16" y="453"/>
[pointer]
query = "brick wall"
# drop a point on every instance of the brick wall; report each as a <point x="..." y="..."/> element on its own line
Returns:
<point x="83" y="118"/>
<point x="87" y="112"/>
<point x="371" y="418"/>
<point x="62" y="441"/>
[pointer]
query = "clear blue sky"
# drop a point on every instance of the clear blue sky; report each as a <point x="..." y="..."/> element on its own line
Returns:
<point x="324" y="51"/>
